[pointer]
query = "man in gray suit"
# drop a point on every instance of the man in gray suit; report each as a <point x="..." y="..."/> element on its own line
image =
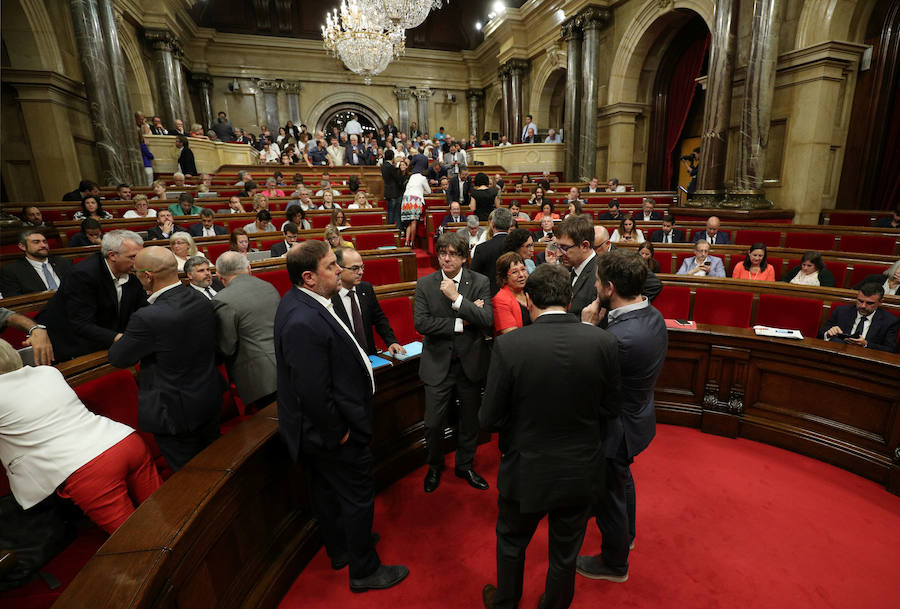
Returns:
<point x="453" y="312"/>
<point x="245" y="311"/>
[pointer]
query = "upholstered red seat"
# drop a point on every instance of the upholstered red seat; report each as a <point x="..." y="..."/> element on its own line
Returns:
<point x="266" y="245"/>
<point x="674" y="302"/>
<point x="214" y="250"/>
<point x="371" y="241"/>
<point x="399" y="312"/>
<point x="366" y="219"/>
<point x="679" y="258"/>
<point x="749" y="237"/>
<point x="237" y="223"/>
<point x="319" y="220"/>
<point x="809" y="241"/>
<point x="278" y="278"/>
<point x="839" y="270"/>
<point x="862" y="270"/>
<point x="14" y="336"/>
<point x="382" y="271"/>
<point x="837" y="218"/>
<point x="802" y="314"/>
<point x="868" y="244"/>
<point x="722" y="307"/>
<point x="665" y="262"/>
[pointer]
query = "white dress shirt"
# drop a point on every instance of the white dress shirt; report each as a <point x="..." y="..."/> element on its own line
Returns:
<point x="208" y="292"/>
<point x="152" y="297"/>
<point x="345" y="298"/>
<point x="865" y="329"/>
<point x="39" y="269"/>
<point x="456" y="304"/>
<point x="121" y="281"/>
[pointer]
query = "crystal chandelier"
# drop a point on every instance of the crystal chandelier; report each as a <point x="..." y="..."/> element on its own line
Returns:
<point x="360" y="38"/>
<point x="401" y="14"/>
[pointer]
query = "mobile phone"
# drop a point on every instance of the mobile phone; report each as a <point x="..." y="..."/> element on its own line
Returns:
<point x="706" y="263"/>
<point x="682" y="322"/>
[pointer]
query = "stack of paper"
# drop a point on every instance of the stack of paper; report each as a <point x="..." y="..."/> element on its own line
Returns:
<point x="412" y="349"/>
<point x="777" y="332"/>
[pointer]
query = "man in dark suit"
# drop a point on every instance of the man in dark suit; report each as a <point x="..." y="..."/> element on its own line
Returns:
<point x="355" y="153"/>
<point x="459" y="188"/>
<point x="575" y="237"/>
<point x="712" y="234"/>
<point x="545" y="232"/>
<point x="355" y="303"/>
<point x="485" y="260"/>
<point x="174" y="339"/>
<point x="892" y="221"/>
<point x="223" y="128"/>
<point x="551" y="435"/>
<point x="593" y="186"/>
<point x="157" y="128"/>
<point x="38" y="271"/>
<point x="643" y="342"/>
<point x="612" y="212"/>
<point x="290" y="237"/>
<point x="668" y="233"/>
<point x="455" y="215"/>
<point x="325" y="389"/>
<point x="393" y="187"/>
<point x="85" y="188"/>
<point x="200" y="277"/>
<point x="453" y="312"/>
<point x="92" y="307"/>
<point x="206" y="226"/>
<point x="648" y="214"/>
<point x="165" y="226"/>
<point x="863" y="324"/>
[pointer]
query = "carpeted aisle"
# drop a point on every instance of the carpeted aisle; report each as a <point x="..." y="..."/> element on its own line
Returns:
<point x="721" y="524"/>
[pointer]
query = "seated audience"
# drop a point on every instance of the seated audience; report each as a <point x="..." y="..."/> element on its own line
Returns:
<point x="552" y="137"/>
<point x="295" y="214"/>
<point x="360" y="201"/>
<point x="243" y="177"/>
<point x="701" y="264"/>
<point x="185" y="206"/>
<point x="37" y="271"/>
<point x="455" y="215"/>
<point x="199" y="273"/>
<point x="509" y="303"/>
<point x="85" y="188"/>
<point x="755" y="266"/>
<point x="178" y="180"/>
<point x="260" y="201"/>
<point x="31" y="216"/>
<point x="334" y="239"/>
<point x="889" y="280"/>
<point x="614" y="186"/>
<point x="473" y="231"/>
<point x="546" y="209"/>
<point x="91" y="208"/>
<point x="645" y="250"/>
<point x="537" y="197"/>
<point x="593" y="186"/>
<point x="863" y="324"/>
<point x="159" y="190"/>
<point x="892" y="221"/>
<point x="325" y="184"/>
<point x="240" y="241"/>
<point x="339" y="219"/>
<point x="517" y="214"/>
<point x="545" y="232"/>
<point x="59" y="446"/>
<point x="647" y="212"/>
<point x="165" y="226"/>
<point x="520" y="241"/>
<point x="812" y="271"/>
<point x="290" y="237"/>
<point x="123" y="192"/>
<point x="263" y="223"/>
<point x="305" y="202"/>
<point x="141" y="209"/>
<point x="668" y="233"/>
<point x="712" y="234"/>
<point x="272" y="189"/>
<point x="328" y="201"/>
<point x="235" y="206"/>
<point x="612" y="213"/>
<point x="250" y="189"/>
<point x="206" y="227"/>
<point x="182" y="245"/>
<point x="627" y="231"/>
<point x="574" y="208"/>
<point x="90" y="234"/>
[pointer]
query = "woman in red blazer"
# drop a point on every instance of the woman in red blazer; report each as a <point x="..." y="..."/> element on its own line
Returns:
<point x="510" y="312"/>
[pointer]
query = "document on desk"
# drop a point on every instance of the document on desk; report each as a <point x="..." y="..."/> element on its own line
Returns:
<point x="777" y="332"/>
<point x="379" y="362"/>
<point x="412" y="349"/>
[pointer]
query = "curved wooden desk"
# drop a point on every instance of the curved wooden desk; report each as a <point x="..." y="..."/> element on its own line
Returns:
<point x="234" y="528"/>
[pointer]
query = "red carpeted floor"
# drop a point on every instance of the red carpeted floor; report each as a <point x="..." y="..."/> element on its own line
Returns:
<point x="721" y="523"/>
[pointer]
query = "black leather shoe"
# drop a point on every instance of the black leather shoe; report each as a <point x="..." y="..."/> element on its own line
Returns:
<point x="342" y="560"/>
<point x="432" y="479"/>
<point x="487" y="596"/>
<point x="474" y="480"/>
<point x="383" y="577"/>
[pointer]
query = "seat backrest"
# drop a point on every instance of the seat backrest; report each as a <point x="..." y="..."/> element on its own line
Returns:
<point x="365" y="219"/>
<point x="399" y="313"/>
<point x="319" y="220"/>
<point x="868" y="244"/>
<point x="839" y="270"/>
<point x="789" y="312"/>
<point x="382" y="271"/>
<point x="214" y="250"/>
<point x="674" y="302"/>
<point x="749" y="237"/>
<point x="14" y="336"/>
<point x="371" y="241"/>
<point x="837" y="218"/>
<point x="809" y="241"/>
<point x="679" y="258"/>
<point x="862" y="270"/>
<point x="278" y="278"/>
<point x="723" y="307"/>
<point x="665" y="262"/>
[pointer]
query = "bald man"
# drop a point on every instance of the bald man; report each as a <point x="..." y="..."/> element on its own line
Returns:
<point x="174" y="339"/>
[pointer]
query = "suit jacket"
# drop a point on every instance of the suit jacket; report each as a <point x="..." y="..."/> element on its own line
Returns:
<point x="186" y="162"/>
<point x="180" y="388"/>
<point x="884" y="222"/>
<point x="155" y="232"/>
<point x="882" y="334"/>
<point x="19" y="277"/>
<point x="196" y="230"/>
<point x="643" y="342"/>
<point x="453" y="193"/>
<point x="654" y="215"/>
<point x="537" y="235"/>
<point x="584" y="292"/>
<point x="393" y="182"/>
<point x="677" y="236"/>
<point x="372" y="315"/>
<point x="551" y="427"/>
<point x="485" y="260"/>
<point x="448" y="219"/>
<point x="224" y="131"/>
<point x="84" y="315"/>
<point x="361" y="154"/>
<point x="279" y="249"/>
<point x="324" y="388"/>
<point x="721" y="237"/>
<point x="75" y="195"/>
<point x="435" y="319"/>
<point x="158" y="130"/>
<point x="608" y="216"/>
<point x="245" y="311"/>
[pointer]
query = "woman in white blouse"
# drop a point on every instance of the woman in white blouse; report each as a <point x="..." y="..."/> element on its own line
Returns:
<point x="141" y="209"/>
<point x="627" y="232"/>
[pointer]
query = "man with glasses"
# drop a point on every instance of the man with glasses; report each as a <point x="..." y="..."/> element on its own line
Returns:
<point x="453" y="311"/>
<point x="575" y="238"/>
<point x="356" y="305"/>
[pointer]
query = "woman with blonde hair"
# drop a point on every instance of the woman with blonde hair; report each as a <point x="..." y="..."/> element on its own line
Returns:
<point x="334" y="239"/>
<point x="159" y="189"/>
<point x="141" y="209"/>
<point x="360" y="201"/>
<point x="260" y="201"/>
<point x="183" y="246"/>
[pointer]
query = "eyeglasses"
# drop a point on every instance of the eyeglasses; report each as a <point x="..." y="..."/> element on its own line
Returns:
<point x="597" y="247"/>
<point x="564" y="248"/>
<point x="448" y="254"/>
<point x="356" y="268"/>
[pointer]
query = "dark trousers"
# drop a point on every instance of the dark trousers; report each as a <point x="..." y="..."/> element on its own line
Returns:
<point x="437" y="399"/>
<point x="343" y="497"/>
<point x="616" y="512"/>
<point x="393" y="210"/>
<point x="514" y="532"/>
<point x="178" y="449"/>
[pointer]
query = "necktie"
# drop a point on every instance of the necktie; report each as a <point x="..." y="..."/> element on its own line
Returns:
<point x="574" y="275"/>
<point x="669" y="238"/>
<point x="712" y="240"/>
<point x="48" y="275"/>
<point x="860" y="325"/>
<point x="208" y="293"/>
<point x="358" y="329"/>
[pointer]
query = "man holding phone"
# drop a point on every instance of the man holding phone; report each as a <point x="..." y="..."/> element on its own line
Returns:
<point x="701" y="263"/>
<point x="863" y="324"/>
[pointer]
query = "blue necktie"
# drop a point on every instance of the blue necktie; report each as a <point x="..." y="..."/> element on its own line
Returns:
<point x="48" y="275"/>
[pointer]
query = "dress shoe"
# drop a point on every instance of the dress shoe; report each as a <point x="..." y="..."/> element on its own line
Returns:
<point x="384" y="576"/>
<point x="432" y="479"/>
<point x="474" y="480"/>
<point x="593" y="567"/>
<point x="342" y="560"/>
<point x="487" y="596"/>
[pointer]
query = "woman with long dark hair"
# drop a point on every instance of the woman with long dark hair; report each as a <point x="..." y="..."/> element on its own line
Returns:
<point x="755" y="266"/>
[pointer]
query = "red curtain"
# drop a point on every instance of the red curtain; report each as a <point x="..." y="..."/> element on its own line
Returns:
<point x="681" y="95"/>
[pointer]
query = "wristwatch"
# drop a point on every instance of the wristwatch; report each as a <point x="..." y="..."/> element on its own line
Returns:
<point x="33" y="328"/>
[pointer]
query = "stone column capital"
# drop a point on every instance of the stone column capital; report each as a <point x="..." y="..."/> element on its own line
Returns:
<point x="474" y="94"/>
<point x="571" y="28"/>
<point x="594" y="17"/>
<point x="291" y="86"/>
<point x="517" y="66"/>
<point x="162" y="40"/>
<point x="402" y="92"/>
<point x="503" y="72"/>
<point x="423" y="94"/>
<point x="268" y="85"/>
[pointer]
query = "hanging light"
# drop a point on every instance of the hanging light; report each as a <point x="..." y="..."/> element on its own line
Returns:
<point x="362" y="39"/>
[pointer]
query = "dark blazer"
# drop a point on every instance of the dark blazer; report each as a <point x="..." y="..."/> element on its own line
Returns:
<point x="279" y="249"/>
<point x="19" y="277"/>
<point x="826" y="277"/>
<point x="174" y="339"/>
<point x="585" y="289"/>
<point x="722" y="237"/>
<point x="608" y="216"/>
<point x="884" y="222"/>
<point x="75" y="195"/>
<point x="372" y="315"/>
<point x="677" y="236"/>
<point x="485" y="260"/>
<point x="882" y="334"/>
<point x="393" y="182"/>
<point x="158" y="130"/>
<point x="643" y="342"/>
<point x="362" y="155"/>
<point x="186" y="162"/>
<point x="435" y="319"/>
<point x="80" y="240"/>
<point x="437" y="175"/>
<point x="874" y="278"/>
<point x="448" y="219"/>
<point x="155" y="232"/>
<point x="83" y="315"/>
<point x="224" y="131"/>
<point x="537" y="235"/>
<point x="196" y="230"/>
<point x="324" y="388"/>
<point x="654" y="215"/>
<point x="453" y="193"/>
<point x="551" y="427"/>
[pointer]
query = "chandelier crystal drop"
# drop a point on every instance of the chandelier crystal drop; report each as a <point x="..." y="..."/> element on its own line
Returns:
<point x="400" y="14"/>
<point x="360" y="40"/>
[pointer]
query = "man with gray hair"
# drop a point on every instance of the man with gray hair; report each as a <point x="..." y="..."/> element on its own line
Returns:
<point x="243" y="176"/>
<point x="473" y="231"/>
<point x="91" y="308"/>
<point x="245" y="310"/>
<point x="485" y="260"/>
<point x="199" y="273"/>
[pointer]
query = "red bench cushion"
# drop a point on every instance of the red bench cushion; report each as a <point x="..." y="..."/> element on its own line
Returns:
<point x="789" y="312"/>
<point x="723" y="307"/>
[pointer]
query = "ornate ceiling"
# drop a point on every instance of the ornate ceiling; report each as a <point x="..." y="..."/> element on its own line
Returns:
<point x="452" y="28"/>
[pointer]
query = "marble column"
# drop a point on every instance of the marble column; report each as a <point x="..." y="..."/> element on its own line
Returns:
<point x="292" y="90"/>
<point x="503" y="73"/>
<point x="422" y="95"/>
<point x="402" y="94"/>
<point x="204" y="82"/>
<point x="756" y="112"/>
<point x="517" y="68"/>
<point x="717" y="110"/>
<point x="593" y="19"/>
<point x="572" y="34"/>
<point x="101" y="92"/>
<point x="475" y="99"/>
<point x="163" y="44"/>
<point x="183" y="104"/>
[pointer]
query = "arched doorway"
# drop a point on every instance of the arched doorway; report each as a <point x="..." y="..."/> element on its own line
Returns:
<point x="339" y="114"/>
<point x="552" y="102"/>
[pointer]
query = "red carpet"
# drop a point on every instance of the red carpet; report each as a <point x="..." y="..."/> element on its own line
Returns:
<point x="721" y="524"/>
